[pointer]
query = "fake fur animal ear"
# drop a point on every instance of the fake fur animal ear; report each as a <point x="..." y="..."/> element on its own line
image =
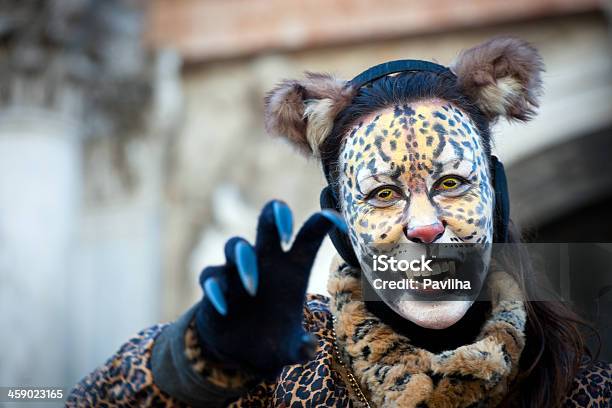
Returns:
<point x="303" y="111"/>
<point x="502" y="76"/>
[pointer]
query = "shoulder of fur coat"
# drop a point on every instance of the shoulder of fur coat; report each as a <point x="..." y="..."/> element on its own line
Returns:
<point x="126" y="377"/>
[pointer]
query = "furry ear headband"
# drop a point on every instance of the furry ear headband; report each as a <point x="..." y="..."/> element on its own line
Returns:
<point x="502" y="76"/>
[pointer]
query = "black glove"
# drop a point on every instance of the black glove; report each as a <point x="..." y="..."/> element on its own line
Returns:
<point x="251" y="314"/>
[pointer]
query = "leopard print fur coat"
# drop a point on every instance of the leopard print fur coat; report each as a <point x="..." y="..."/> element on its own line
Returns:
<point x="130" y="377"/>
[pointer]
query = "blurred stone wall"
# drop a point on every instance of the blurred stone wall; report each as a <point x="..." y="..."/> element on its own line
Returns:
<point x="82" y="128"/>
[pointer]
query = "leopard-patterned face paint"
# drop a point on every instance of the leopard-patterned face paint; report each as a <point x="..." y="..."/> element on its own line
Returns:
<point x="416" y="174"/>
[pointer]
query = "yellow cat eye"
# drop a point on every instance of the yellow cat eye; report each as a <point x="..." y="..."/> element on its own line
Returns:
<point x="449" y="183"/>
<point x="385" y="194"/>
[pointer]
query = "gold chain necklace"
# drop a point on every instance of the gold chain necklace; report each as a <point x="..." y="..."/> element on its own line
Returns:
<point x="352" y="380"/>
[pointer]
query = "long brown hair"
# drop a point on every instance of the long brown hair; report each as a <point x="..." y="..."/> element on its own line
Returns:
<point x="555" y="348"/>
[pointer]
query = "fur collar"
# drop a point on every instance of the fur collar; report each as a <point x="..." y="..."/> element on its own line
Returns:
<point x="394" y="373"/>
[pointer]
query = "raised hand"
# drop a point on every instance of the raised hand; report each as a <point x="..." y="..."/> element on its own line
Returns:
<point x="251" y="313"/>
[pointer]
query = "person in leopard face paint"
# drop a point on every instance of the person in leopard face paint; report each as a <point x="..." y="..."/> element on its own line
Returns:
<point x="405" y="148"/>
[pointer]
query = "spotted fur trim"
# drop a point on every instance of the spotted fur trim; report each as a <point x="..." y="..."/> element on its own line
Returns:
<point x="396" y="373"/>
<point x="502" y="76"/>
<point x="303" y="111"/>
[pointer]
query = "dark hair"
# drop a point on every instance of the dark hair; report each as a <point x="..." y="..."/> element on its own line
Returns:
<point x="555" y="348"/>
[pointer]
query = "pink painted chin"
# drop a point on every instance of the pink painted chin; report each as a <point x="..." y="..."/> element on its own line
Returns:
<point x="431" y="314"/>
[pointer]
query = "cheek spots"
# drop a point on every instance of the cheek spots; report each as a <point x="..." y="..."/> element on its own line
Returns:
<point x="470" y="216"/>
<point x="366" y="238"/>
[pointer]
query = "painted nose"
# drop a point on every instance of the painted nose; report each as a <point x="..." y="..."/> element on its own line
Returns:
<point x="425" y="234"/>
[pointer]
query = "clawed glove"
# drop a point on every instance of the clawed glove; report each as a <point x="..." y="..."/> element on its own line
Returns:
<point x="251" y="314"/>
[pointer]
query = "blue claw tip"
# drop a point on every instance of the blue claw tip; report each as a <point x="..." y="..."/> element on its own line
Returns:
<point x="336" y="218"/>
<point x="246" y="261"/>
<point x="308" y="338"/>
<point x="215" y="295"/>
<point x="284" y="221"/>
<point x="309" y="346"/>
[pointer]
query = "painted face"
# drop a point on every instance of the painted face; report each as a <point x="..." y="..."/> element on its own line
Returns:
<point x="413" y="175"/>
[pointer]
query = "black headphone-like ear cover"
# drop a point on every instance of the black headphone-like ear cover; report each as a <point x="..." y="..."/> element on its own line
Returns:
<point x="502" y="201"/>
